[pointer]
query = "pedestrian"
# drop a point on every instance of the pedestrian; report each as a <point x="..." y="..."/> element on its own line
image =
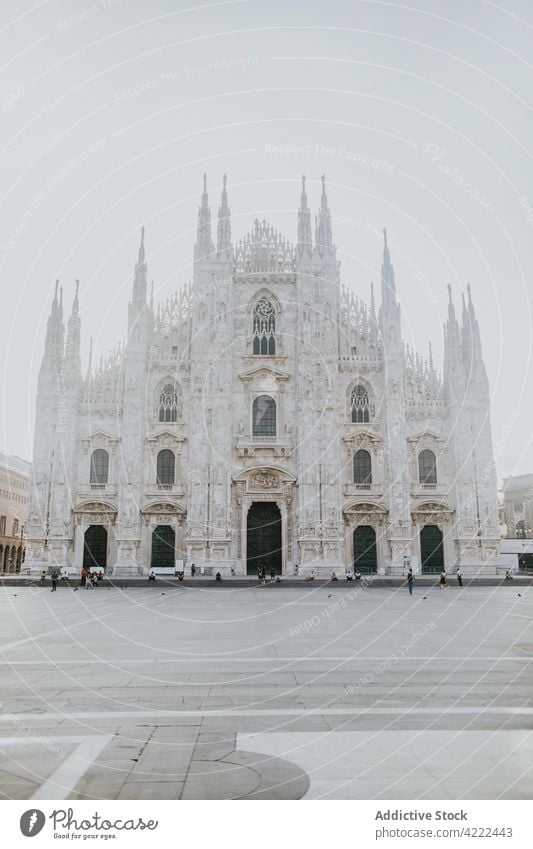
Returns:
<point x="43" y="578"/>
<point x="55" y="577"/>
<point x="334" y="576"/>
<point x="410" y="581"/>
<point x="295" y="570"/>
<point x="349" y="575"/>
<point x="218" y="576"/>
<point x="193" y="570"/>
<point x="459" y="576"/>
<point x="101" y="575"/>
<point x="272" y="575"/>
<point x="151" y="576"/>
<point x="443" y="580"/>
<point x="94" y="579"/>
<point x="83" y="577"/>
<point x="357" y="575"/>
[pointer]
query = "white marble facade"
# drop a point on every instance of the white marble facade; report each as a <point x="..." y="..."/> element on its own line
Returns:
<point x="264" y="382"/>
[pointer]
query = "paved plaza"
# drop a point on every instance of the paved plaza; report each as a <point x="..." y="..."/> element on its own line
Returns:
<point x="266" y="692"/>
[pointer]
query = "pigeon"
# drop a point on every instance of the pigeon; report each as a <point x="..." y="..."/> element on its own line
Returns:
<point x="424" y="597"/>
<point x="75" y="589"/>
<point x="329" y="596"/>
<point x="163" y="593"/>
<point x="519" y="595"/>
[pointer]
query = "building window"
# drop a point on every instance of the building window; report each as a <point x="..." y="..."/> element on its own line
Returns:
<point x="99" y="466"/>
<point x="427" y="467"/>
<point x="264" y="328"/>
<point x="168" y="404"/>
<point x="2" y="525"/>
<point x="362" y="468"/>
<point x="360" y="405"/>
<point x="166" y="465"/>
<point x="15" y="527"/>
<point x="264" y="416"/>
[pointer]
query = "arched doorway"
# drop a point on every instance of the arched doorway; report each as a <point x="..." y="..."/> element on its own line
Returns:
<point x="95" y="547"/>
<point x="163" y="546"/>
<point x="431" y="549"/>
<point x="263" y="539"/>
<point x="365" y="557"/>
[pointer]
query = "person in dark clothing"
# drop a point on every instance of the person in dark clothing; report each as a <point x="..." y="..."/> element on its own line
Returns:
<point x="193" y="570"/>
<point x="55" y="577"/>
<point x="272" y="575"/>
<point x="410" y="581"/>
<point x="83" y="580"/>
<point x="218" y="576"/>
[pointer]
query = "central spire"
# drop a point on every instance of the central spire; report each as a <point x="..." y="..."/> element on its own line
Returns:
<point x="204" y="245"/>
<point x="305" y="244"/>
<point x="224" y="222"/>
<point x="323" y="236"/>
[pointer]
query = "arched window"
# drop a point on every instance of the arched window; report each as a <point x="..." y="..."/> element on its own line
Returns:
<point x="99" y="466"/>
<point x="168" y="403"/>
<point x="166" y="465"/>
<point x="264" y="328"/>
<point x="427" y="467"/>
<point x="362" y="469"/>
<point x="360" y="404"/>
<point x="264" y="416"/>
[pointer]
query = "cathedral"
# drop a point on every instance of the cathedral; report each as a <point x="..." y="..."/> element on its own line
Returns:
<point x="264" y="417"/>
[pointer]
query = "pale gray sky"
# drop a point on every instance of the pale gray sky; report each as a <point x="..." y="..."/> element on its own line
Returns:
<point x="419" y="112"/>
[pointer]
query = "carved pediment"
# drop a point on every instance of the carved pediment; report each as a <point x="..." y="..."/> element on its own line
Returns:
<point x="265" y="373"/>
<point x="426" y="436"/>
<point x="95" y="507"/>
<point x="431" y="507"/>
<point x="165" y="436"/>
<point x="163" y="507"/>
<point x="365" y="507"/>
<point x="265" y="479"/>
<point x="99" y="439"/>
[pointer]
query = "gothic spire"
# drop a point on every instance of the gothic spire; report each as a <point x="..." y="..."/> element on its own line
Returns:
<point x="304" y="223"/>
<point x="323" y="236"/>
<point x="72" y="347"/>
<point x="387" y="270"/>
<point x="372" y="303"/>
<point x="140" y="282"/>
<point x="53" y="346"/>
<point x="204" y="246"/>
<point x="224" y="222"/>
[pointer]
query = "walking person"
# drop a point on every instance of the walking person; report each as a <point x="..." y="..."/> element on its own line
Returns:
<point x="459" y="576"/>
<point x="272" y="575"/>
<point x="55" y="577"/>
<point x="83" y="577"/>
<point x="43" y="578"/>
<point x="410" y="581"/>
<point x="193" y="570"/>
<point x="443" y="580"/>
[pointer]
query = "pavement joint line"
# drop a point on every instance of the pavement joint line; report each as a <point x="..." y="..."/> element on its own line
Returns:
<point x="66" y="776"/>
<point x="61" y="630"/>
<point x="305" y="712"/>
<point x="310" y="659"/>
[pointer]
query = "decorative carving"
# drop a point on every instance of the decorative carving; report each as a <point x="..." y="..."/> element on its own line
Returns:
<point x="264" y="480"/>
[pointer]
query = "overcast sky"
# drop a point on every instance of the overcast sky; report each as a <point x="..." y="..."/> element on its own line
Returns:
<point x="419" y="113"/>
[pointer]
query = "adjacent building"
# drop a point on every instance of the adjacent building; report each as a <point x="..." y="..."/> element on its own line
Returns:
<point x="14" y="504"/>
<point x="264" y="416"/>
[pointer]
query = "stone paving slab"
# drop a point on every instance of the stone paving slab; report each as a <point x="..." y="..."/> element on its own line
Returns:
<point x="196" y="686"/>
